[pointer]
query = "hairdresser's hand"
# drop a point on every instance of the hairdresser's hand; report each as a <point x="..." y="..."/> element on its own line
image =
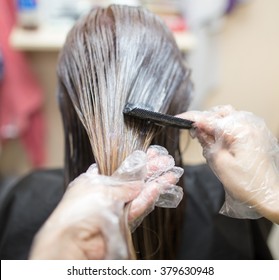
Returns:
<point x="244" y="155"/>
<point x="159" y="188"/>
<point x="87" y="222"/>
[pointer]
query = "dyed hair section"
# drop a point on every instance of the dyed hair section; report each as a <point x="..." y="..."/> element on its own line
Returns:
<point x="111" y="57"/>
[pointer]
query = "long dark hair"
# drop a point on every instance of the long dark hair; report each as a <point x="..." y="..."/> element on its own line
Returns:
<point x="113" y="56"/>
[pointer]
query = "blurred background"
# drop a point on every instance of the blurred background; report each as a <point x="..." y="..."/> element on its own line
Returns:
<point x="232" y="47"/>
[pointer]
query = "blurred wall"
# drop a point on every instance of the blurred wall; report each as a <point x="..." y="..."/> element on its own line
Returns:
<point x="249" y="61"/>
<point x="248" y="66"/>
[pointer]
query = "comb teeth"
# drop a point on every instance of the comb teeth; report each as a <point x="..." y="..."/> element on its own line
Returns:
<point x="157" y="118"/>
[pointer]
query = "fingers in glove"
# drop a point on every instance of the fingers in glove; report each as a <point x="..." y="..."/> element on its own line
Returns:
<point x="158" y="162"/>
<point x="133" y="167"/>
<point x="144" y="203"/>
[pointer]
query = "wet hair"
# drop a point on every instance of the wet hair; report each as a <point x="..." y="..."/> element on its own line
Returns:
<point x="113" y="56"/>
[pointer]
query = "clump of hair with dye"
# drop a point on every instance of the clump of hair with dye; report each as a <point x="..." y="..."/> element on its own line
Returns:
<point x="114" y="56"/>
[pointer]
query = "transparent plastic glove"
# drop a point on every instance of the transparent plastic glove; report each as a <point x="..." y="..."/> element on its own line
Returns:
<point x="159" y="187"/>
<point x="91" y="210"/>
<point x="87" y="222"/>
<point x="244" y="155"/>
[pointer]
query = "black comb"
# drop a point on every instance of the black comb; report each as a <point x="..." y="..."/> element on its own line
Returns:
<point x="156" y="118"/>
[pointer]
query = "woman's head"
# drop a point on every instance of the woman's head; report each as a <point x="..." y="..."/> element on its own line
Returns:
<point x="114" y="56"/>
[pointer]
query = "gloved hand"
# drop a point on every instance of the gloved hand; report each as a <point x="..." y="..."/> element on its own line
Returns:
<point x="244" y="155"/>
<point x="87" y="223"/>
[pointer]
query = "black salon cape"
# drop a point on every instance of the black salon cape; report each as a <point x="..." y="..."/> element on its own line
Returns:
<point x="206" y="234"/>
